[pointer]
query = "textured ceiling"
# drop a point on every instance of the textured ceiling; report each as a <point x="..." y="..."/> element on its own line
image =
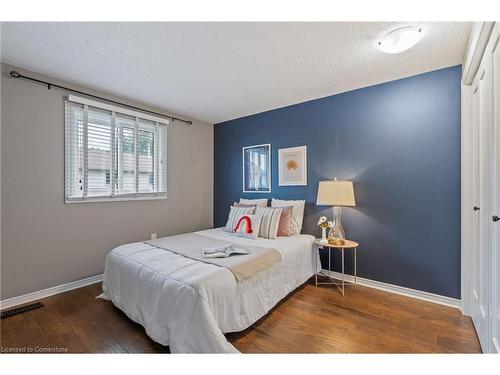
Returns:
<point x="220" y="71"/>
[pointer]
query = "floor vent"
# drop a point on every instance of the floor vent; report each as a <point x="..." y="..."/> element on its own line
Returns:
<point x="20" y="309"/>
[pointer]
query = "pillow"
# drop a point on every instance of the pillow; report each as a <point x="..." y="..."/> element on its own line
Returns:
<point x="235" y="204"/>
<point x="234" y="214"/>
<point x="248" y="226"/>
<point x="256" y="202"/>
<point x="284" y="226"/>
<point x="270" y="218"/>
<point x="297" y="214"/>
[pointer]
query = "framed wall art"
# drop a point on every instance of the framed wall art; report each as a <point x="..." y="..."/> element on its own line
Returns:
<point x="292" y="166"/>
<point x="257" y="169"/>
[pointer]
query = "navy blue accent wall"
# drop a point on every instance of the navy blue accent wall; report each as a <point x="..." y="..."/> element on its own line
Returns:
<point x="400" y="144"/>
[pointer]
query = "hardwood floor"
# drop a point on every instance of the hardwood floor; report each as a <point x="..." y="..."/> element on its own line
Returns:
<point x="310" y="320"/>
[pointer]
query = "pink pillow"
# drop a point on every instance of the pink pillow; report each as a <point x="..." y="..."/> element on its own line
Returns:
<point x="285" y="224"/>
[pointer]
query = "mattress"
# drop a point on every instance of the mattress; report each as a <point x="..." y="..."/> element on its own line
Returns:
<point x="188" y="304"/>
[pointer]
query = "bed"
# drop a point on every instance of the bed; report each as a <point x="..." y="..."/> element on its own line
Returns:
<point x="189" y="304"/>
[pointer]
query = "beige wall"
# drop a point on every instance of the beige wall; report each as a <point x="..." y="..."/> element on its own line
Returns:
<point x="46" y="242"/>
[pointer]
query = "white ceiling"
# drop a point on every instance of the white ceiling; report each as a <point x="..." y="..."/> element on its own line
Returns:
<point x="219" y="71"/>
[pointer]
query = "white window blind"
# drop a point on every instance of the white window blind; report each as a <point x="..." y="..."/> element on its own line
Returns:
<point x="113" y="153"/>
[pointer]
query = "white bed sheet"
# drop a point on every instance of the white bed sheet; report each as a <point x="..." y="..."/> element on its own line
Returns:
<point x="189" y="304"/>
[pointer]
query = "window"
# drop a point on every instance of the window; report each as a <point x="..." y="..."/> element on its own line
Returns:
<point x="113" y="153"/>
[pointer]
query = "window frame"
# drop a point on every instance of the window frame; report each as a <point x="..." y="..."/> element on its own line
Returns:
<point x="158" y="174"/>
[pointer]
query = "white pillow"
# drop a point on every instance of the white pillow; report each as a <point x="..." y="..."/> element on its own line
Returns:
<point x="270" y="219"/>
<point x="257" y="202"/>
<point x="248" y="226"/>
<point x="234" y="214"/>
<point x="297" y="212"/>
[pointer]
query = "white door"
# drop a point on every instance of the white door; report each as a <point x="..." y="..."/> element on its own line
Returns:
<point x="495" y="200"/>
<point x="482" y="123"/>
<point x="475" y="312"/>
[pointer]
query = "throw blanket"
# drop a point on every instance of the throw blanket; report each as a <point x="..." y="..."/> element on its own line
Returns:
<point x="242" y="266"/>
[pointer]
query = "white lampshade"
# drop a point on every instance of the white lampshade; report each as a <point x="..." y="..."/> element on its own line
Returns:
<point x="335" y="193"/>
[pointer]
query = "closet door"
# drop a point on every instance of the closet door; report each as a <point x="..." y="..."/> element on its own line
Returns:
<point x="482" y="118"/>
<point x="475" y="311"/>
<point x="478" y="314"/>
<point x="495" y="199"/>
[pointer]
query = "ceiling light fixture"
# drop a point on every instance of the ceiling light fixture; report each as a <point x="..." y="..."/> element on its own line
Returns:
<point x="400" y="40"/>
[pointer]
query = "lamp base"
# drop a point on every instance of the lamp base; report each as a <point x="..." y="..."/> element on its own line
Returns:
<point x="336" y="236"/>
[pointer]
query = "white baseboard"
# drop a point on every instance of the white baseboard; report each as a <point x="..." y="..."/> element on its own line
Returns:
<point x="425" y="296"/>
<point x="418" y="294"/>
<point x="15" y="301"/>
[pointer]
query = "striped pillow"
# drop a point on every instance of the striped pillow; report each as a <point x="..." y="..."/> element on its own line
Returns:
<point x="270" y="218"/>
<point x="236" y="204"/>
<point x="234" y="214"/>
<point x="257" y="202"/>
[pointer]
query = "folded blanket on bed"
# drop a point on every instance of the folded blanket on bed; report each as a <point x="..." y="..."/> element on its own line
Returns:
<point x="190" y="245"/>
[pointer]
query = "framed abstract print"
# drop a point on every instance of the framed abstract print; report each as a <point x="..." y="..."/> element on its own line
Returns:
<point x="292" y="166"/>
<point x="257" y="169"/>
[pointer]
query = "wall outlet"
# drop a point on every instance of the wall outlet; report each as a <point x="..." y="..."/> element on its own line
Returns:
<point x="153" y="236"/>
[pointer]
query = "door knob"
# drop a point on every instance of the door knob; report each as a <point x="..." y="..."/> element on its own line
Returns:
<point x="495" y="218"/>
<point x="476" y="208"/>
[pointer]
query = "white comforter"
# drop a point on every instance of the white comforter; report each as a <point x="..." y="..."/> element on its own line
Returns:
<point x="189" y="304"/>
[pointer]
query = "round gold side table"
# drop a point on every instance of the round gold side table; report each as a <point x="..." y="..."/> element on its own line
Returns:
<point x="346" y="246"/>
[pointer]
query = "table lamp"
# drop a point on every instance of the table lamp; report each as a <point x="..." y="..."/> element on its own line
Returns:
<point x="338" y="194"/>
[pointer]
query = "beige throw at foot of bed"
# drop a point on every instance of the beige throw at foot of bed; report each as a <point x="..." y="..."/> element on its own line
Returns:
<point x="190" y="245"/>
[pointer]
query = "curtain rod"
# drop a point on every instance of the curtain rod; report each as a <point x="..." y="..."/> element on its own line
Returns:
<point x="16" y="74"/>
